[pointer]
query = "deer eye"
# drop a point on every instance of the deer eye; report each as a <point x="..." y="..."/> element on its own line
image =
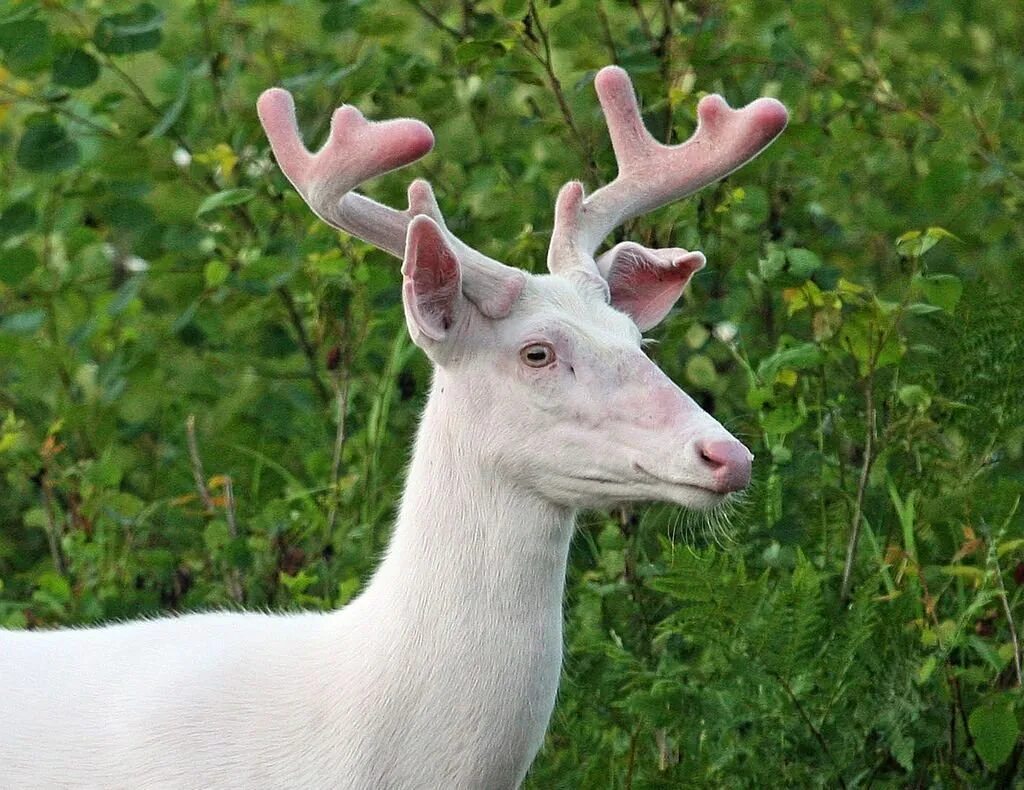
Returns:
<point x="537" y="355"/>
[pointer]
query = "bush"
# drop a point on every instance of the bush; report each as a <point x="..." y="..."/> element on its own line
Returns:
<point x="859" y="325"/>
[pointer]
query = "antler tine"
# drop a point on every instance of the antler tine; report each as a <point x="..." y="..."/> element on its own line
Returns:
<point x="651" y="174"/>
<point x="356" y="151"/>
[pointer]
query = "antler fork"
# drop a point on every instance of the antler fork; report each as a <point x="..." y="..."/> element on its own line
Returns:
<point x="356" y="151"/>
<point x="651" y="174"/>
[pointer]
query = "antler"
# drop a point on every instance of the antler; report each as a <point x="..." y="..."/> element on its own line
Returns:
<point x="651" y="174"/>
<point x="356" y="151"/>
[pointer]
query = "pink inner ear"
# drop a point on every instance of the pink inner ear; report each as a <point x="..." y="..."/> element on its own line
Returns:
<point x="645" y="283"/>
<point x="432" y="278"/>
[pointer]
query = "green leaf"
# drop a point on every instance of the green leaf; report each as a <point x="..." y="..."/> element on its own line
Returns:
<point x="54" y="585"/>
<point x="943" y="290"/>
<point x="17" y="264"/>
<point x="915" y="396"/>
<point x="801" y="357"/>
<point x="802" y="263"/>
<point x="860" y="336"/>
<point x="701" y="371"/>
<point x="347" y="588"/>
<point x="381" y="24"/>
<point x="75" y="68"/>
<point x="25" y="44"/>
<point x="173" y="112"/>
<point x="783" y="420"/>
<point x="925" y="671"/>
<point x="135" y="31"/>
<point x="45" y="147"/>
<point x="340" y="17"/>
<point x="126" y="294"/>
<point x="24" y="323"/>
<point x="1010" y="545"/>
<point x="902" y="748"/>
<point x="920" y="308"/>
<point x="771" y="267"/>
<point x="16" y="219"/>
<point x="914" y="243"/>
<point x="216" y="535"/>
<point x="229" y="197"/>
<point x="938" y="233"/>
<point x="994" y="728"/>
<point x="215" y="273"/>
<point x="472" y="51"/>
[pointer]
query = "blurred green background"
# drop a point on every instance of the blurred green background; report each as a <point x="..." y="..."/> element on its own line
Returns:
<point x="859" y="325"/>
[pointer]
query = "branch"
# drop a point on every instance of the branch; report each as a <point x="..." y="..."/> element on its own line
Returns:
<point x="307" y="347"/>
<point x="556" y="88"/>
<point x="865" y="469"/>
<point x="606" y="32"/>
<point x="814" y="730"/>
<point x="645" y="25"/>
<point x="234" y="580"/>
<point x="61" y="110"/>
<point x="341" y="410"/>
<point x="993" y="559"/>
<point x="52" y="530"/>
<point x="197" y="463"/>
<point x="211" y="54"/>
<point x="435" y="20"/>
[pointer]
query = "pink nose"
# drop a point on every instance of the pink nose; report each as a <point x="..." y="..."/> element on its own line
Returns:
<point x="729" y="462"/>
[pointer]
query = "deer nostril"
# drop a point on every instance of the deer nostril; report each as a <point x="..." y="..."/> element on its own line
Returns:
<point x="709" y="457"/>
<point x="730" y="463"/>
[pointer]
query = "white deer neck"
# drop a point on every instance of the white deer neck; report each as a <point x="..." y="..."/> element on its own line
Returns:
<point x="464" y="530"/>
<point x="467" y="609"/>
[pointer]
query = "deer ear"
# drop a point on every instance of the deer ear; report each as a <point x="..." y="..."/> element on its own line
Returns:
<point x="645" y="283"/>
<point x="431" y="282"/>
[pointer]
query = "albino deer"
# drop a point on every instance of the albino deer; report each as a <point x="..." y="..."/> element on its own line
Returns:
<point x="443" y="672"/>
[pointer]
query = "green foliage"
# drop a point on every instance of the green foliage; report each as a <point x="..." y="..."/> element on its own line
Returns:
<point x="859" y="324"/>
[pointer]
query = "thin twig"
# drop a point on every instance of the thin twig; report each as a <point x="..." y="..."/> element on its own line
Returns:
<point x="435" y="20"/>
<point x="865" y="470"/>
<point x="665" y="53"/>
<point x="197" y="463"/>
<point x="229" y="506"/>
<point x="1013" y="627"/>
<point x="52" y="529"/>
<point x="61" y="110"/>
<point x="606" y="33"/>
<point x="993" y="557"/>
<point x="954" y="683"/>
<point x="814" y="730"/>
<point x="304" y="343"/>
<point x="234" y="578"/>
<point x="341" y="409"/>
<point x="547" y="64"/>
<point x="144" y="100"/>
<point x="211" y="54"/>
<point x="631" y="759"/>
<point x="645" y="26"/>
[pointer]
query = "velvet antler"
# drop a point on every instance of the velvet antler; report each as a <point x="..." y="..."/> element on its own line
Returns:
<point x="651" y="174"/>
<point x="356" y="151"/>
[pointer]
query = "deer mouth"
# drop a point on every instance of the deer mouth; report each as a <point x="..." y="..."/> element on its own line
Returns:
<point x="688" y="484"/>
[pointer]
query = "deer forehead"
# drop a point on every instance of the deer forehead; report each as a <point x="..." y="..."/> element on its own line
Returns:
<point x="550" y="302"/>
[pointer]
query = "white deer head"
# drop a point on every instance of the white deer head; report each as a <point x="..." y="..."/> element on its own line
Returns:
<point x="548" y="369"/>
